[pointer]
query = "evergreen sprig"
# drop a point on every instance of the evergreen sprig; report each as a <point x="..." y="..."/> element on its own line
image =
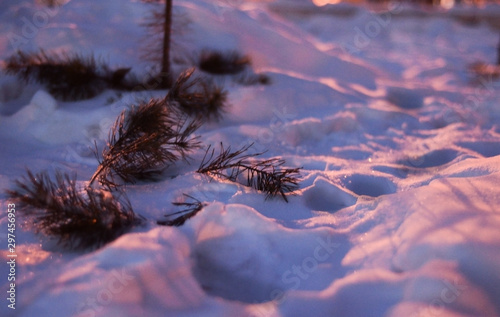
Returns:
<point x="268" y="175"/>
<point x="78" y="218"/>
<point x="144" y="141"/>
<point x="198" y="96"/>
<point x="67" y="76"/>
<point x="192" y="208"/>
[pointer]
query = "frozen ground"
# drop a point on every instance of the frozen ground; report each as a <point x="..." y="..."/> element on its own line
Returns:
<point x="399" y="208"/>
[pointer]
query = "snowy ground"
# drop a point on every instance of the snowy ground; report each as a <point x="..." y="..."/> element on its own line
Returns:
<point x="399" y="208"/>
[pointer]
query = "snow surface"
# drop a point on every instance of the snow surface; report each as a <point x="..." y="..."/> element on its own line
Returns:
<point x="399" y="208"/>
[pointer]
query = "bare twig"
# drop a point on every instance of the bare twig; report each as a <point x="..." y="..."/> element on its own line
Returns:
<point x="191" y="210"/>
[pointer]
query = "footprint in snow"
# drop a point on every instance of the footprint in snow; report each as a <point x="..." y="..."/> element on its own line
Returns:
<point x="326" y="196"/>
<point x="369" y="185"/>
<point x="485" y="148"/>
<point x="431" y="159"/>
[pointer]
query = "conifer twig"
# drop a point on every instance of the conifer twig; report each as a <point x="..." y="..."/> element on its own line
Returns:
<point x="191" y="210"/>
<point x="268" y="175"/>
<point x="144" y="141"/>
<point x="79" y="218"/>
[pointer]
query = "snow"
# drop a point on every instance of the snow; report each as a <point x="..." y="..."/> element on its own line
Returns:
<point x="398" y="211"/>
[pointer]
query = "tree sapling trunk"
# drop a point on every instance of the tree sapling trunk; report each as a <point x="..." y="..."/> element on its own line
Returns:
<point x="165" y="67"/>
<point x="498" y="53"/>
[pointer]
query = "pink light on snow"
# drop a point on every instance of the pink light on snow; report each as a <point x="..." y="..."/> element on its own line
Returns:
<point x="321" y="3"/>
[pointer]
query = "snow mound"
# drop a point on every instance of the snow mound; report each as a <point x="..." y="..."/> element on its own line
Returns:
<point x="398" y="208"/>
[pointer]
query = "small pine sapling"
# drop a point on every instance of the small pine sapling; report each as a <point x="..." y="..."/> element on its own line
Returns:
<point x="78" y="218"/>
<point x="198" y="97"/>
<point x="67" y="76"/>
<point x="268" y="175"/>
<point x="223" y="63"/>
<point x="192" y="208"/>
<point x="167" y="29"/>
<point x="498" y="53"/>
<point x="231" y="63"/>
<point x="144" y="141"/>
<point x="160" y="24"/>
<point x="486" y="71"/>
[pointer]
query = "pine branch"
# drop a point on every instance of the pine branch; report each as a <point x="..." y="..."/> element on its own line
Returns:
<point x="191" y="210"/>
<point x="78" y="218"/>
<point x="268" y="175"/>
<point x="198" y="97"/>
<point x="67" y="76"/>
<point x="144" y="141"/>
<point x="249" y="78"/>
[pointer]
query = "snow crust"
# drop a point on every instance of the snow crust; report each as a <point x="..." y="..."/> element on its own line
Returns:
<point x="399" y="208"/>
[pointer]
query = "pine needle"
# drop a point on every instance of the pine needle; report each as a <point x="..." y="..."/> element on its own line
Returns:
<point x="78" y="218"/>
<point x="268" y="175"/>
<point x="144" y="141"/>
<point x="191" y="210"/>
